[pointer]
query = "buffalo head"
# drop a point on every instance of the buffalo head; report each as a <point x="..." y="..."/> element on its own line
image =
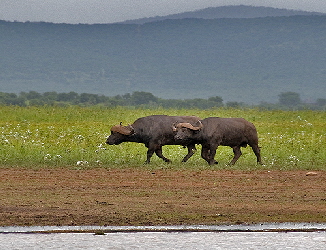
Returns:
<point x="119" y="134"/>
<point x="186" y="130"/>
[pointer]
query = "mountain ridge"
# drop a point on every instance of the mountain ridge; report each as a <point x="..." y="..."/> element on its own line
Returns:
<point x="230" y="11"/>
<point x="243" y="60"/>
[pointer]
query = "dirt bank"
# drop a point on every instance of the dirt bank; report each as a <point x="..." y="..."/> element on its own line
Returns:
<point x="162" y="197"/>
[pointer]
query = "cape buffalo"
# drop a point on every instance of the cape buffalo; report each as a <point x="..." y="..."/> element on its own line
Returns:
<point x="154" y="131"/>
<point x="214" y="131"/>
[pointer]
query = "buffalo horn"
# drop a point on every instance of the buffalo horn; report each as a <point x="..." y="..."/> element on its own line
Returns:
<point x="190" y="126"/>
<point x="124" y="130"/>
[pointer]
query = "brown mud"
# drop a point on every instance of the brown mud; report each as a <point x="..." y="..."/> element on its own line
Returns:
<point x="99" y="196"/>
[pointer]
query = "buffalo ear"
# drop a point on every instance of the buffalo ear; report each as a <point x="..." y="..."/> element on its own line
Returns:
<point x="199" y="125"/>
<point x="174" y="128"/>
<point x="131" y="129"/>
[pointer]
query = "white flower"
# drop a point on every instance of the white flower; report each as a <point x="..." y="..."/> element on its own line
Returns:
<point x="81" y="163"/>
<point x="47" y="157"/>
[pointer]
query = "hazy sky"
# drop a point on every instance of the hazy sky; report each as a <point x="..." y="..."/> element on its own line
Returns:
<point x="108" y="11"/>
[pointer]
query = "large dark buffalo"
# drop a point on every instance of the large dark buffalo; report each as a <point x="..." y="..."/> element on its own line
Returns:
<point x="214" y="131"/>
<point x="154" y="131"/>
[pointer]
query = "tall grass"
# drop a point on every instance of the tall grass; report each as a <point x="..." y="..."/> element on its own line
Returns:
<point x="75" y="137"/>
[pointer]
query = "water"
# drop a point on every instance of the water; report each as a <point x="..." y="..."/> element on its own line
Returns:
<point x="263" y="236"/>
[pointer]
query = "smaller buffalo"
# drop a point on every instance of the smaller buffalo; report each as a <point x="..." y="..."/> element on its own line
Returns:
<point x="154" y="131"/>
<point x="215" y="131"/>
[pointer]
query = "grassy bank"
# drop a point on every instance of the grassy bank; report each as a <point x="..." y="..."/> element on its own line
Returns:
<point x="75" y="137"/>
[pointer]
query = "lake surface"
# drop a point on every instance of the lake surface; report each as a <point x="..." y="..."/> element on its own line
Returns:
<point x="262" y="236"/>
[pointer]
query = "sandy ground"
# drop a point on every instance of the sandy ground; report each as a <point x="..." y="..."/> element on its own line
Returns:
<point x="162" y="197"/>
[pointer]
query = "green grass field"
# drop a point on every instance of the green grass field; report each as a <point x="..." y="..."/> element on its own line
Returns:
<point x="75" y="137"/>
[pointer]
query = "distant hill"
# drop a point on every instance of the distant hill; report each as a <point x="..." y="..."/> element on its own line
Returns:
<point x="245" y="60"/>
<point x="232" y="11"/>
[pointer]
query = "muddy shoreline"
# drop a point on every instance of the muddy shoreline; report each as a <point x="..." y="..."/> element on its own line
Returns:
<point x="121" y="197"/>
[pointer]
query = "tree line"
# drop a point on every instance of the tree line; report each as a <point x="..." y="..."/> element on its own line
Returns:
<point x="286" y="101"/>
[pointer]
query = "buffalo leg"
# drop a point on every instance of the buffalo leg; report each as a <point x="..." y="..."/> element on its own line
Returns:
<point x="256" y="150"/>
<point x="237" y="153"/>
<point x="212" y="153"/>
<point x="159" y="153"/>
<point x="205" y="155"/>
<point x="158" y="150"/>
<point x="191" y="151"/>
<point x="150" y="152"/>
